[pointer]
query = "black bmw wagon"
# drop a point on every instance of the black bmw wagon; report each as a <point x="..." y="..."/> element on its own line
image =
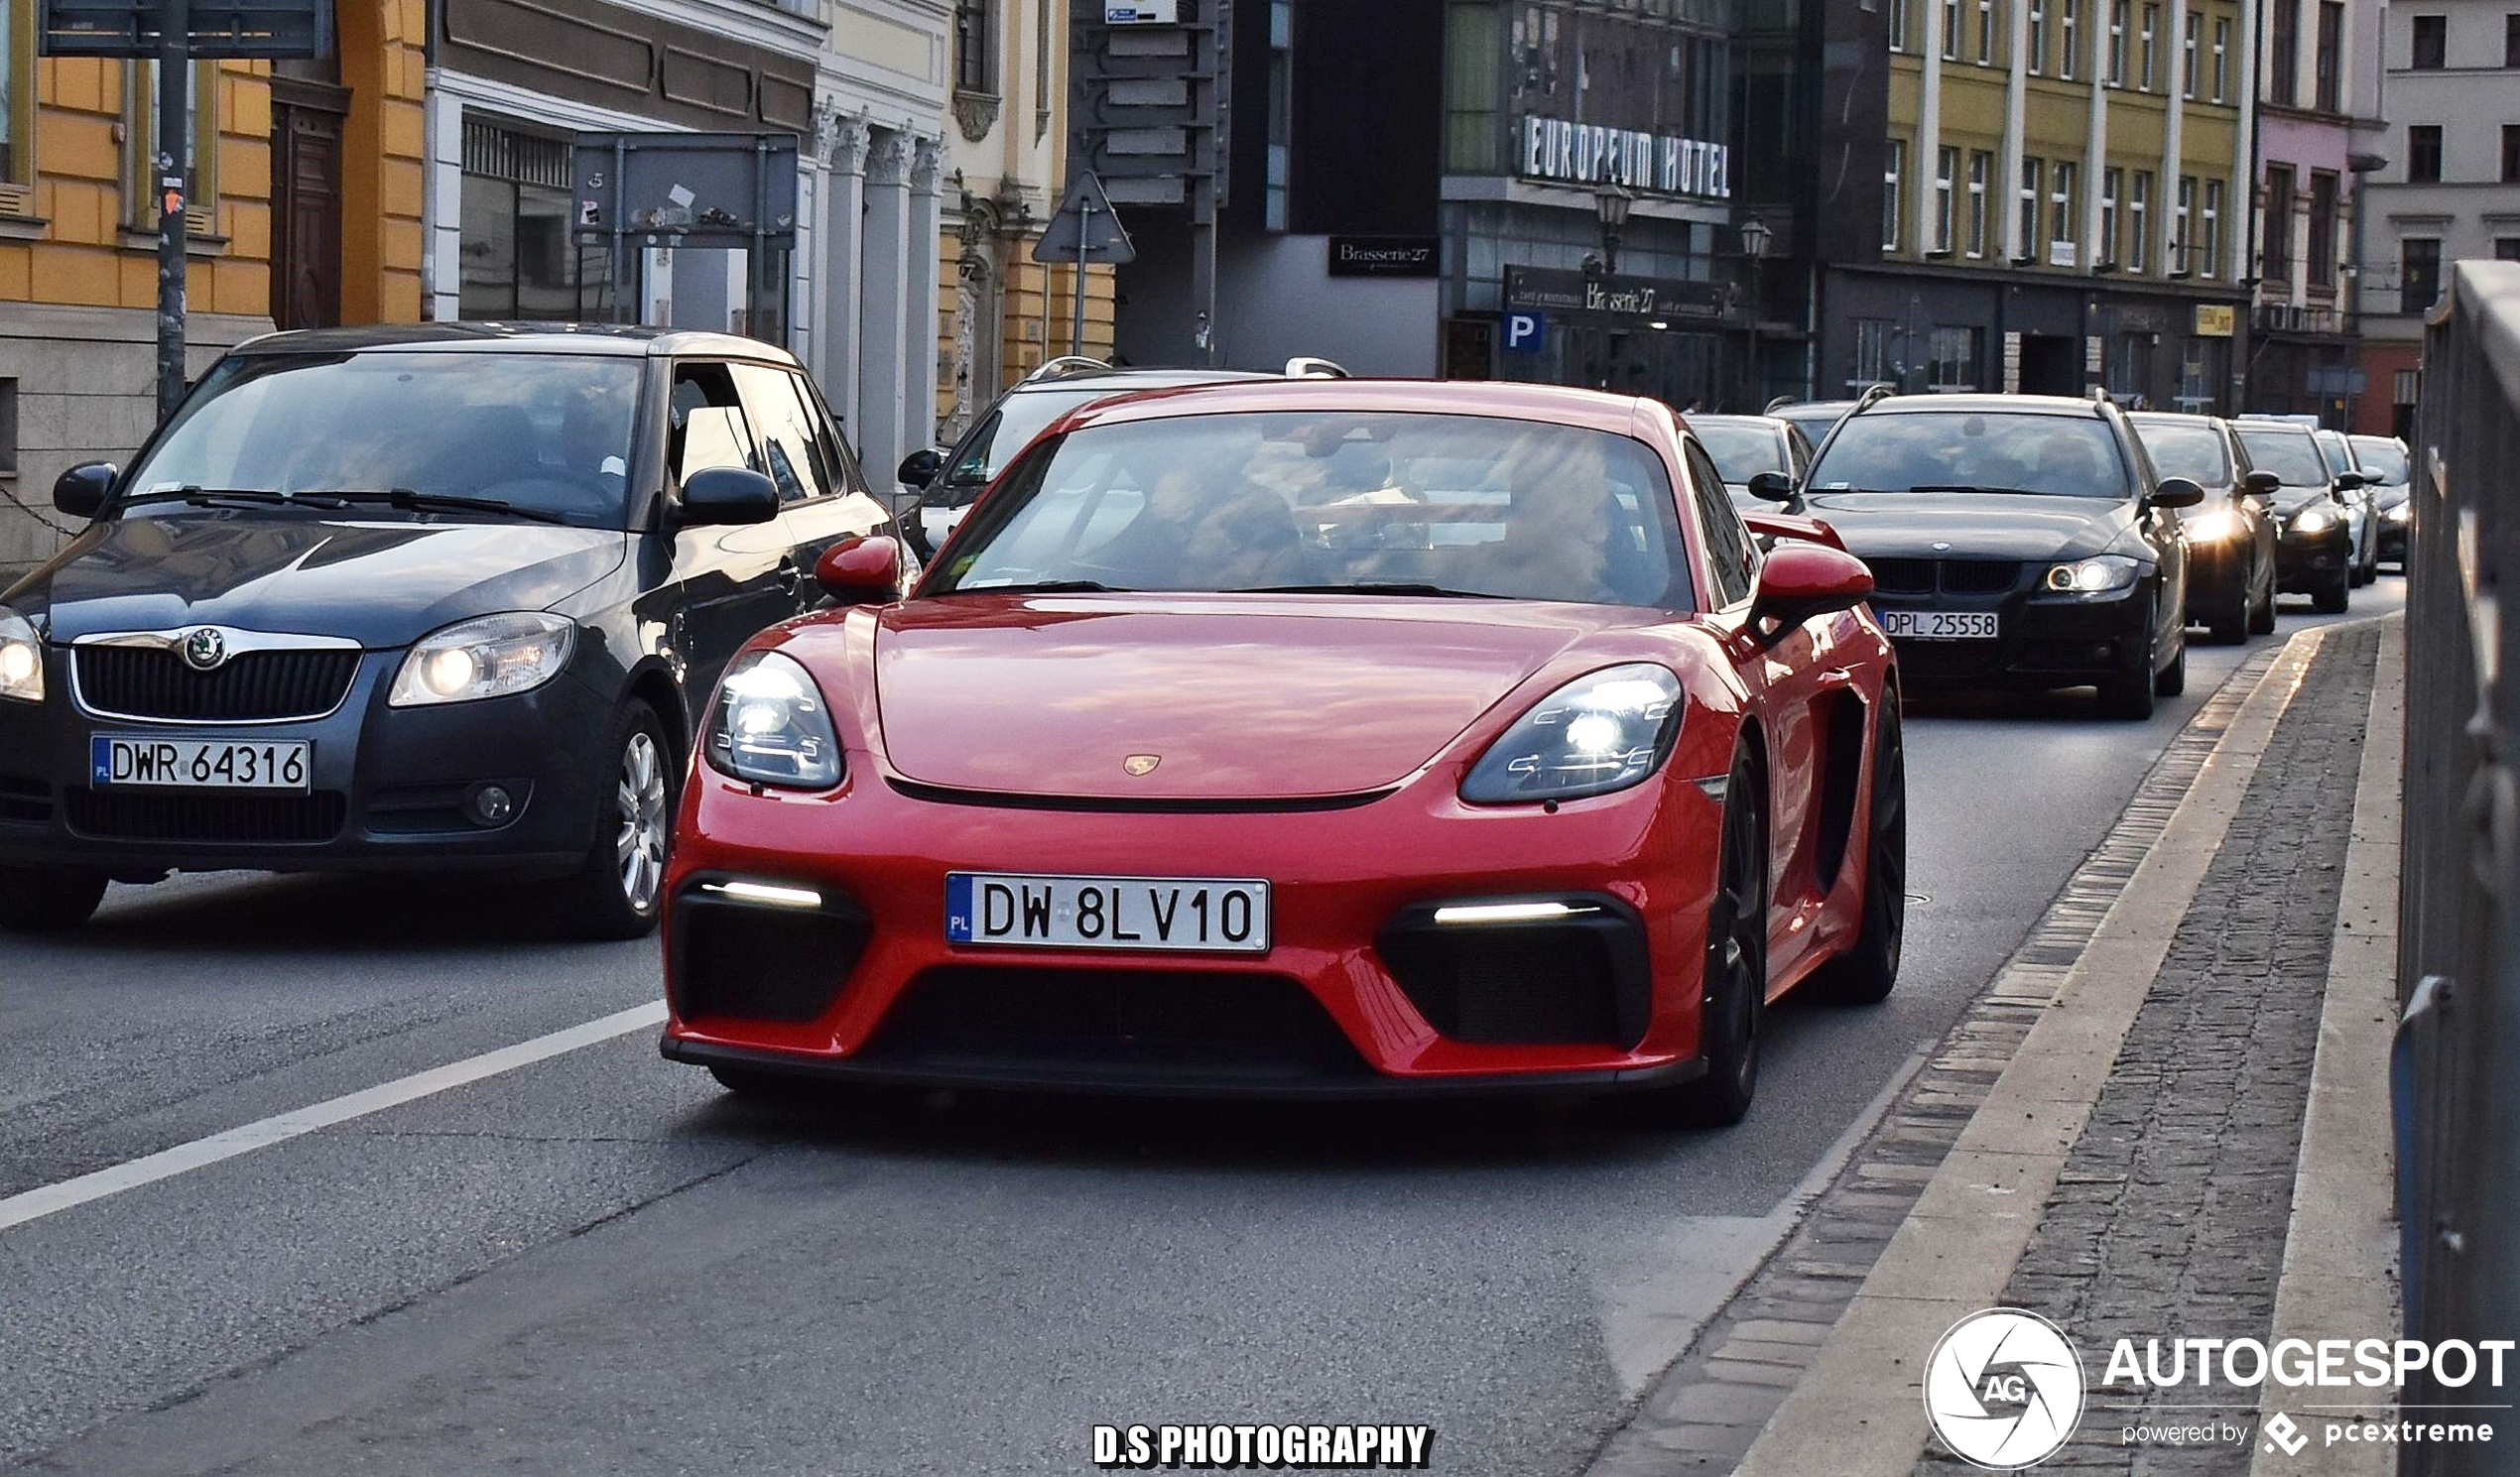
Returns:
<point x="432" y="599"/>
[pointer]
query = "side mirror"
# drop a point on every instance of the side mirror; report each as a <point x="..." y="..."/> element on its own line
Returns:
<point x="725" y="495"/>
<point x="81" y="491"/>
<point x="2261" y="484"/>
<point x="1774" y="487"/>
<point x="864" y="570"/>
<point x="920" y="468"/>
<point x="1800" y="580"/>
<point x="2175" y="492"/>
<point x="2347" y="482"/>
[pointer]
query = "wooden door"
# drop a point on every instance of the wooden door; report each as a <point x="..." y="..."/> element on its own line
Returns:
<point x="306" y="206"/>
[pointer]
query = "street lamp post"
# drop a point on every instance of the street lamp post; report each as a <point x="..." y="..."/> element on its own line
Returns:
<point x="1612" y="204"/>
<point x="1755" y="237"/>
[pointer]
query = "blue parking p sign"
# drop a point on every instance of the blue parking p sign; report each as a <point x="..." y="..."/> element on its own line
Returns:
<point x="1525" y="333"/>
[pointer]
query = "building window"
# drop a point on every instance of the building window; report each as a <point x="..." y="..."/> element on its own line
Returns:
<point x="1947" y="168"/>
<point x="2035" y="41"/>
<point x="2139" y="237"/>
<point x="2182" y="214"/>
<point x="1985" y="33"/>
<point x="1473" y="89"/>
<point x="2277" y="223"/>
<point x="2507" y="248"/>
<point x="2511" y="154"/>
<point x="1898" y="25"/>
<point x="1277" y="193"/>
<point x="2284" y="54"/>
<point x="2032" y="171"/>
<point x="140" y="137"/>
<point x="2332" y="44"/>
<point x="2105" y="249"/>
<point x="2323" y="227"/>
<point x="2069" y="58"/>
<point x="1891" y="168"/>
<point x="2190" y="47"/>
<point x="2064" y="221"/>
<point x="1981" y="167"/>
<point x="17" y="111"/>
<point x="520" y="255"/>
<point x="2148" y="68"/>
<point x="2221" y="59"/>
<point x="2424" y="154"/>
<point x="976" y="45"/>
<point x="2118" y="43"/>
<point x="2213" y="229"/>
<point x="2511" y="40"/>
<point x="1950" y="30"/>
<point x="2418" y="274"/>
<point x="1872" y="352"/>
<point x="1951" y="363"/>
<point x="2432" y="42"/>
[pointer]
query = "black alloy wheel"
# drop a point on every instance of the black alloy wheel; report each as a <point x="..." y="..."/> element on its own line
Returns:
<point x="2173" y="679"/>
<point x="1865" y="973"/>
<point x="2262" y="613"/>
<point x="2334" y="592"/>
<point x="47" y="900"/>
<point x="2130" y="694"/>
<point x="2232" y="618"/>
<point x="1732" y="1003"/>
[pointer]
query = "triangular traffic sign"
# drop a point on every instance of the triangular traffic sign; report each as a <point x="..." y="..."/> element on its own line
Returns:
<point x="1085" y="215"/>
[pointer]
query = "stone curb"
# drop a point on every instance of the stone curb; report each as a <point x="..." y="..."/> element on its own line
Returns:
<point x="2339" y="1277"/>
<point x="1857" y="1412"/>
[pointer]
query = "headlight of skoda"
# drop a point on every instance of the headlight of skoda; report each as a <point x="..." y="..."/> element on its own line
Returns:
<point x="2091" y="576"/>
<point x="491" y="656"/>
<point x="20" y="658"/>
<point x="1598" y="733"/>
<point x="769" y="726"/>
<point x="2216" y="527"/>
<point x="2314" y="520"/>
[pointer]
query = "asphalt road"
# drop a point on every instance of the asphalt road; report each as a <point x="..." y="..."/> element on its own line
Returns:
<point x="599" y="1264"/>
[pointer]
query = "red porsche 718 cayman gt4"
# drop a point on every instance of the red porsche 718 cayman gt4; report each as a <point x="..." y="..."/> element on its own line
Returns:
<point x="1307" y="737"/>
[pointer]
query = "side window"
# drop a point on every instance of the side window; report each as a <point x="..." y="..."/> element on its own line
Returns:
<point x="706" y="423"/>
<point x="787" y="443"/>
<point x="1730" y="561"/>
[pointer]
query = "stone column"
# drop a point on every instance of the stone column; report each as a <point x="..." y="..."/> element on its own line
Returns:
<point x="884" y="382"/>
<point x="843" y="248"/>
<point x="919" y="345"/>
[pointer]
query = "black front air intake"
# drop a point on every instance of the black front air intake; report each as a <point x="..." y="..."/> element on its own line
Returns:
<point x="1576" y="979"/>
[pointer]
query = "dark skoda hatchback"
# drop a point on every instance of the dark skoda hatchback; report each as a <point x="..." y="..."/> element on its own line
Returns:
<point x="432" y="599"/>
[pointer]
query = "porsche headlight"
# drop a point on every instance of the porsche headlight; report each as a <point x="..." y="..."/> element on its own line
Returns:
<point x="1601" y="732"/>
<point x="2091" y="576"/>
<point x="2216" y="527"/>
<point x="493" y="655"/>
<point x="2314" y="520"/>
<point x="21" y="658"/>
<point x="769" y="726"/>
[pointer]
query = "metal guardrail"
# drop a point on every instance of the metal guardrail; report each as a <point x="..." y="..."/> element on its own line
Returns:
<point x="2456" y="1072"/>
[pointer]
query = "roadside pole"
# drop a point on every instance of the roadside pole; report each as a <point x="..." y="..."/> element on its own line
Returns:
<point x="174" y="149"/>
<point x="1084" y="245"/>
<point x="1083" y="230"/>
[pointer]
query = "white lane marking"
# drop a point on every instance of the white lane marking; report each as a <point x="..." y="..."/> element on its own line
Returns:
<point x="262" y="1132"/>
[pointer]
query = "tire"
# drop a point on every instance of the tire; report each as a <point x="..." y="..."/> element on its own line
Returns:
<point x="620" y="889"/>
<point x="2231" y="627"/>
<point x="2333" y="595"/>
<point x="2130" y="694"/>
<point x="2262" y="614"/>
<point x="1733" y="998"/>
<point x="1865" y="973"/>
<point x="47" y="900"/>
<point x="2173" y="679"/>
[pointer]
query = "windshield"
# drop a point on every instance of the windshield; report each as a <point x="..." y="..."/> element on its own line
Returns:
<point x="1329" y="502"/>
<point x="2185" y="448"/>
<point x="1010" y="428"/>
<point x="2332" y="447"/>
<point x="547" y="432"/>
<point x="1977" y="451"/>
<point x="1742" y="451"/>
<point x="2382" y="456"/>
<point x="2292" y="455"/>
<point x="1816" y="419"/>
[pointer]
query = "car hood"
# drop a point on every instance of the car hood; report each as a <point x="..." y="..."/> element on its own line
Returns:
<point x="1973" y="525"/>
<point x="2290" y="501"/>
<point x="383" y="583"/>
<point x="1239" y="698"/>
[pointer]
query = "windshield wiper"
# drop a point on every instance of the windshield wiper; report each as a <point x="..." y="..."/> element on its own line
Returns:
<point x="2018" y="492"/>
<point x="435" y="502"/>
<point x="1391" y="587"/>
<point x="1042" y="587"/>
<point x="210" y="497"/>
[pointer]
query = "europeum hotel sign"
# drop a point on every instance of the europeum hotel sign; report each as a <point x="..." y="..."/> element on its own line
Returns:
<point x="1589" y="154"/>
